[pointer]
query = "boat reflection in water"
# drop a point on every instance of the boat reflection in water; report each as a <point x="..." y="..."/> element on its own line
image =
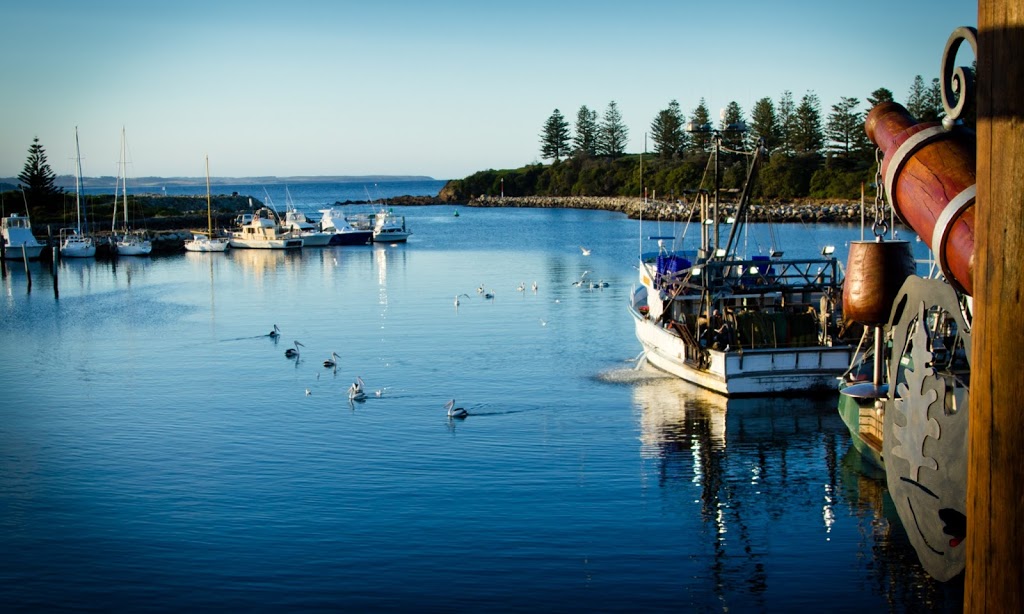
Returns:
<point x="777" y="488"/>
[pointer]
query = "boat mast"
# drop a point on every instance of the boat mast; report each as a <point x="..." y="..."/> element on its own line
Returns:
<point x="78" y="183"/>
<point x="124" y="181"/>
<point x="209" y="215"/>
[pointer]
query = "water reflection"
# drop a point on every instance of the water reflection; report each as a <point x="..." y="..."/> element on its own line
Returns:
<point x="760" y="471"/>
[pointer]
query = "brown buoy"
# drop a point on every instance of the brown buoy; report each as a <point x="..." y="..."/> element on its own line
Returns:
<point x="875" y="272"/>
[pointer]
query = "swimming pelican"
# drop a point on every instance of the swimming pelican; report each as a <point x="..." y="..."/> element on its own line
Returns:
<point x="488" y="295"/>
<point x="332" y="361"/>
<point x="308" y="393"/>
<point x="457" y="298"/>
<point x="534" y="286"/>
<point x="480" y="289"/>
<point x="355" y="391"/>
<point x="275" y="333"/>
<point x="586" y="252"/>
<point x="521" y="287"/>
<point x="294" y="351"/>
<point x="582" y="279"/>
<point x="455" y="412"/>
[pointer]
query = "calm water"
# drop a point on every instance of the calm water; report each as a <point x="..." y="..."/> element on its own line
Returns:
<point x="159" y="452"/>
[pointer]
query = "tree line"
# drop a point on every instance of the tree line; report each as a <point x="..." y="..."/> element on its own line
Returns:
<point x="811" y="154"/>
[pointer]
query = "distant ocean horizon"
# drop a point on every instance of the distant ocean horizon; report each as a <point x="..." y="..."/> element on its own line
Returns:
<point x="306" y="196"/>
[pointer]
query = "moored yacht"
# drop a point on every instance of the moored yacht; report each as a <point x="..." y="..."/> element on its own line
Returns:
<point x="18" y="238"/>
<point x="263" y="231"/>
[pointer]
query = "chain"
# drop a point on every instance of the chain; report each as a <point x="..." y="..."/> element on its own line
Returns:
<point x="880" y="227"/>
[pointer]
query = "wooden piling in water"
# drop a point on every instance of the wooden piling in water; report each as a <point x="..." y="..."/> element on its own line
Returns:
<point x="54" y="264"/>
<point x="28" y="271"/>
<point x="995" y="469"/>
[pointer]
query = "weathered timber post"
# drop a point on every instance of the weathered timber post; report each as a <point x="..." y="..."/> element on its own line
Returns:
<point x="994" y="580"/>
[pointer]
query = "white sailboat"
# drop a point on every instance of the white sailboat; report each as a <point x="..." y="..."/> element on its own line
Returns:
<point x="130" y="242"/>
<point x="206" y="242"/>
<point x="74" y="244"/>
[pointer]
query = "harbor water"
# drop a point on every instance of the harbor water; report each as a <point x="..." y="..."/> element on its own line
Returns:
<point x="159" y="452"/>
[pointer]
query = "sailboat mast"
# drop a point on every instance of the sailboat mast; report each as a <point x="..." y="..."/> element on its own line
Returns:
<point x="78" y="183"/>
<point x="209" y="206"/>
<point x="124" y="180"/>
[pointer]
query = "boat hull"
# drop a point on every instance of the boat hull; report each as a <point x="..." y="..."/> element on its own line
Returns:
<point x="355" y="237"/>
<point x="755" y="372"/>
<point x="78" y="249"/>
<point x="266" y="243"/>
<point x="15" y="252"/>
<point x="206" y="245"/>
<point x="391" y="236"/>
<point x="865" y="425"/>
<point x="316" y="239"/>
<point x="133" y="248"/>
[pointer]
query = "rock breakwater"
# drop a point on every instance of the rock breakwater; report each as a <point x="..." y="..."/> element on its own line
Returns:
<point x="635" y="207"/>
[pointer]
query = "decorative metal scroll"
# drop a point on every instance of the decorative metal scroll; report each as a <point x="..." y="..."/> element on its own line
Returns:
<point x="957" y="81"/>
<point x="926" y="422"/>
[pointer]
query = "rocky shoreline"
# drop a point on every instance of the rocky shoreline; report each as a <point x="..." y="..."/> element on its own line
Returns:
<point x="636" y="207"/>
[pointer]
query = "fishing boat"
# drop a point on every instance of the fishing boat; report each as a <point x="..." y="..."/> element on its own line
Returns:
<point x="264" y="231"/>
<point x="206" y="241"/>
<point x="130" y="242"/>
<point x="389" y="228"/>
<point x="334" y="221"/>
<point x="739" y="326"/>
<point x="18" y="239"/>
<point x="73" y="243"/>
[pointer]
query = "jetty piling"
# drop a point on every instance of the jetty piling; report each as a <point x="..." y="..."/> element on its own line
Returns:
<point x="995" y="468"/>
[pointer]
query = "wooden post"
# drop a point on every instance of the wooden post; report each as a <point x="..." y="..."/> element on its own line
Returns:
<point x="995" y="469"/>
<point x="28" y="271"/>
<point x="54" y="264"/>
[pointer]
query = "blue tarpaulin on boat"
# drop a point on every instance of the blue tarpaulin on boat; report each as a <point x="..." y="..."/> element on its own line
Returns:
<point x="670" y="264"/>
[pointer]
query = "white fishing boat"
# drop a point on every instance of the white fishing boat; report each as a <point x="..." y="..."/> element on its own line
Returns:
<point x="334" y="221"/>
<point x="389" y="228"/>
<point x="264" y="231"/>
<point x="18" y="238"/>
<point x="739" y="326"/>
<point x="207" y="242"/>
<point x="73" y="243"/>
<point x="130" y="242"/>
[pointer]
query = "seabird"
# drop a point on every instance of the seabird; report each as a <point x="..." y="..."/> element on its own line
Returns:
<point x="586" y="252"/>
<point x="294" y="351"/>
<point x="455" y="412"/>
<point x="332" y="361"/>
<point x="276" y="332"/>
<point x="355" y="391"/>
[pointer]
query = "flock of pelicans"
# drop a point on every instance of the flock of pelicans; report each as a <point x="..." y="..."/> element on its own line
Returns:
<point x="357" y="391"/>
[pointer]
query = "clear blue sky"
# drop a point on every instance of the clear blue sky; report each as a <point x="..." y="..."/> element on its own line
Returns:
<point x="439" y="88"/>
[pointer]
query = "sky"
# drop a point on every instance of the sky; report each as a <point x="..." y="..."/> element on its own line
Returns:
<point x="437" y="88"/>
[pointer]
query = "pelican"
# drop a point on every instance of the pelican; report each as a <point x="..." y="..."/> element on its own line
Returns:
<point x="294" y="351"/>
<point x="308" y="393"/>
<point x="355" y="391"/>
<point x="480" y="289"/>
<point x="534" y="286"/>
<point x="457" y="298"/>
<point x="276" y="332"/>
<point x="586" y="252"/>
<point x="455" y="412"/>
<point x="332" y="361"/>
<point x="488" y="295"/>
<point x="582" y="279"/>
<point x="521" y="287"/>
